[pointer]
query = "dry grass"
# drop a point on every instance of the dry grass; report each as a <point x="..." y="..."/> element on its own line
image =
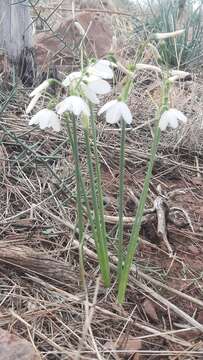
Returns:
<point x="41" y="296"/>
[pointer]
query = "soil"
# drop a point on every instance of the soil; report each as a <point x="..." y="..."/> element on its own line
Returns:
<point x="41" y="295"/>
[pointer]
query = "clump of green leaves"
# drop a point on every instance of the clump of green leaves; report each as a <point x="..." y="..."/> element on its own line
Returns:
<point x="169" y="15"/>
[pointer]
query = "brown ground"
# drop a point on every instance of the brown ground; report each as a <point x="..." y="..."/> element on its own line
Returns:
<point x="40" y="292"/>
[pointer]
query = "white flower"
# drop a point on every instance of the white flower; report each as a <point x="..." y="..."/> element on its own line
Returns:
<point x="38" y="90"/>
<point x="115" y="110"/>
<point x="76" y="75"/>
<point x="93" y="86"/>
<point x="178" y="74"/>
<point x="148" y="67"/>
<point x="162" y="36"/>
<point x="74" y="104"/>
<point x="90" y="85"/>
<point x="101" y="69"/>
<point x="171" y="118"/>
<point x="33" y="103"/>
<point x="46" y="119"/>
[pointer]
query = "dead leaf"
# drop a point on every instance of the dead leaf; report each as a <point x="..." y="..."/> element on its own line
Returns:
<point x="130" y="344"/>
<point x="200" y="317"/>
<point x="13" y="347"/>
<point x="189" y="335"/>
<point x="193" y="250"/>
<point x="150" y="310"/>
<point x="197" y="180"/>
<point x="136" y="357"/>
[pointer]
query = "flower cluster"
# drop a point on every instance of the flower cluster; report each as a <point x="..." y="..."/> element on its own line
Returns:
<point x="86" y="86"/>
<point x="83" y="87"/>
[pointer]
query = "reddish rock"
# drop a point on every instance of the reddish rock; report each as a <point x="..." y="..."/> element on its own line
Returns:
<point x="57" y="47"/>
<point x="13" y="347"/>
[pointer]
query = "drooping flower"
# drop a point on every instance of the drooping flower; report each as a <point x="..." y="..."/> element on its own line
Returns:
<point x="101" y="69"/>
<point x="91" y="85"/>
<point x="33" y="103"/>
<point x="115" y="110"/>
<point x="36" y="93"/>
<point x="46" y="118"/>
<point x="43" y="86"/>
<point x="76" y="75"/>
<point x="73" y="104"/>
<point x="163" y="36"/>
<point x="94" y="86"/>
<point x="148" y="67"/>
<point x="171" y="118"/>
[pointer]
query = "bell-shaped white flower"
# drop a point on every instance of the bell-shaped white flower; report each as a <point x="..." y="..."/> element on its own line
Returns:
<point x="46" y="118"/>
<point x="115" y="110"/>
<point x="33" y="103"/>
<point x="76" y="75"/>
<point x="95" y="86"/>
<point x="38" y="90"/>
<point x="148" y="67"/>
<point x="171" y="118"/>
<point x="73" y="104"/>
<point x="172" y="34"/>
<point x="101" y="69"/>
<point x="91" y="85"/>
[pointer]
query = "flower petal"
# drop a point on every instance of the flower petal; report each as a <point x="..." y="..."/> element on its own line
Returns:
<point x="56" y="123"/>
<point x="71" y="77"/>
<point x="100" y="86"/>
<point x="40" y="88"/>
<point x="180" y="73"/>
<point x="126" y="113"/>
<point x="113" y="114"/>
<point x="91" y="95"/>
<point x="107" y="63"/>
<point x="33" y="103"/>
<point x="101" y="69"/>
<point x="173" y="122"/>
<point x="180" y="115"/>
<point x="170" y="118"/>
<point x="162" y="36"/>
<point x="74" y="104"/>
<point x="163" y="122"/>
<point x="46" y="119"/>
<point x="108" y="105"/>
<point x="148" y="67"/>
<point x="42" y="118"/>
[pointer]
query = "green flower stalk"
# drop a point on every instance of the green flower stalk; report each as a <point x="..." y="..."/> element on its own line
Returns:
<point x="121" y="200"/>
<point x="82" y="191"/>
<point x="134" y="239"/>
<point x="124" y="97"/>
<point x="79" y="190"/>
<point x="100" y="238"/>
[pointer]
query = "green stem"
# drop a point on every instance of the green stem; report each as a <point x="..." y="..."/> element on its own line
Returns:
<point x="120" y="199"/>
<point x="98" y="178"/>
<point x="84" y="193"/>
<point x="134" y="239"/>
<point x="74" y="145"/>
<point x="100" y="237"/>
